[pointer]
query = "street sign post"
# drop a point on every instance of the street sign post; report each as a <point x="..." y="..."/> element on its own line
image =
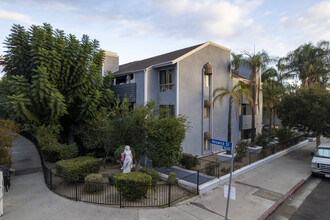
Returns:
<point x="228" y="146"/>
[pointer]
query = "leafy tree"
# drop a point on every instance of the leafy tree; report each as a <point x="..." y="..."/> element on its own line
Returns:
<point x="256" y="63"/>
<point x="52" y="74"/>
<point x="164" y="138"/>
<point x="310" y="63"/>
<point x="236" y="60"/>
<point x="235" y="95"/>
<point x="308" y="108"/>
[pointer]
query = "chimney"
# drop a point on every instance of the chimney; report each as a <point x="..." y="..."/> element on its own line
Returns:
<point x="111" y="62"/>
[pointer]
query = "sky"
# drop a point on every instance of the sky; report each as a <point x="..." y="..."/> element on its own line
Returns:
<point x="138" y="29"/>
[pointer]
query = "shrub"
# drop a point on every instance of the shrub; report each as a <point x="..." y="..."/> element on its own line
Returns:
<point x="284" y="133"/>
<point x="172" y="178"/>
<point x="5" y="157"/>
<point x="93" y="183"/>
<point x="241" y="149"/>
<point x="77" y="168"/>
<point x="133" y="186"/>
<point x="151" y="172"/>
<point x="262" y="139"/>
<point x="119" y="150"/>
<point x="225" y="171"/>
<point x="46" y="136"/>
<point x="55" y="151"/>
<point x="189" y="161"/>
<point x="210" y="168"/>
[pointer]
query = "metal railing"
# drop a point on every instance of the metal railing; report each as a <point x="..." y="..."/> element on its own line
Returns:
<point x="220" y="168"/>
<point x="162" y="194"/>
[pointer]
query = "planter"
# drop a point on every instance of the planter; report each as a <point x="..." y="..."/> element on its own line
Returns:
<point x="223" y="157"/>
<point x="312" y="139"/>
<point x="271" y="144"/>
<point x="255" y="150"/>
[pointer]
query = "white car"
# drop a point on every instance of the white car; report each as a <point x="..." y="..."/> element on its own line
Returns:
<point x="321" y="161"/>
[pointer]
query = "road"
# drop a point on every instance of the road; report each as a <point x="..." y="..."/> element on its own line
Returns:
<point x="311" y="202"/>
<point x="316" y="205"/>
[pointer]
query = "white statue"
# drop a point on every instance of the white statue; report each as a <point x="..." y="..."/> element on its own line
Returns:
<point x="127" y="159"/>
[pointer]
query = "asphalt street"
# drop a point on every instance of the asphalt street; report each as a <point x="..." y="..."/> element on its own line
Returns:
<point x="316" y="205"/>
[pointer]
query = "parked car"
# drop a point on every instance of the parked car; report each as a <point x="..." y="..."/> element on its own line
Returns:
<point x="321" y="161"/>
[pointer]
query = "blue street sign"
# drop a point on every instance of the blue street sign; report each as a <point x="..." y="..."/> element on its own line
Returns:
<point x="225" y="145"/>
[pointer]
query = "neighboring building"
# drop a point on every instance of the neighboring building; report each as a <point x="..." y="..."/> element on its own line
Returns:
<point x="183" y="81"/>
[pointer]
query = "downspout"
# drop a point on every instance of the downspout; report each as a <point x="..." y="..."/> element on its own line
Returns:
<point x="177" y="88"/>
<point x="145" y="86"/>
<point x="202" y="114"/>
<point x="211" y="109"/>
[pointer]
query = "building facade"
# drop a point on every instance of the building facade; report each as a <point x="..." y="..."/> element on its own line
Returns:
<point x="183" y="82"/>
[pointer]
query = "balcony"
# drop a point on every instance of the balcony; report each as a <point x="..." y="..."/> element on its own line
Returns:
<point x="125" y="90"/>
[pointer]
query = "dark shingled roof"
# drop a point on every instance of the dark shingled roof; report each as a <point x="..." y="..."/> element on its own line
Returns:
<point x="143" y="64"/>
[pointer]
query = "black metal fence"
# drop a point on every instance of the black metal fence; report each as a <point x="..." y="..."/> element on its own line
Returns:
<point x="162" y="194"/>
<point x="217" y="168"/>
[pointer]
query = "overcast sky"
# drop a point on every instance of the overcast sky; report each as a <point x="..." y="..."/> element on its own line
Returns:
<point x="138" y="29"/>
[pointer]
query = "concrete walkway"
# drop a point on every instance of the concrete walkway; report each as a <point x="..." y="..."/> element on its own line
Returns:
<point x="256" y="191"/>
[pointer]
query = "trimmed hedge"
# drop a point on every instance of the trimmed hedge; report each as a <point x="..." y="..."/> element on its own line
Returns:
<point x="189" y="161"/>
<point x="151" y="172"/>
<point x="55" y="151"/>
<point x="172" y="178"/>
<point x="93" y="183"/>
<point x="77" y="168"/>
<point x="133" y="186"/>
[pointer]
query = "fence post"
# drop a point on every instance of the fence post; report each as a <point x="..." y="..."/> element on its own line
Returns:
<point x="218" y="168"/>
<point x="197" y="182"/>
<point x="169" y="195"/>
<point x="76" y="191"/>
<point x="50" y="179"/>
<point x="250" y="157"/>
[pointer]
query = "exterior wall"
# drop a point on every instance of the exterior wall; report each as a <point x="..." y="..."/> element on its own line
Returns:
<point x="139" y="80"/>
<point x="192" y="98"/>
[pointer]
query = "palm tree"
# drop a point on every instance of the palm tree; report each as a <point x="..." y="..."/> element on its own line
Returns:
<point x="235" y="96"/>
<point x="256" y="62"/>
<point x="272" y="91"/>
<point x="310" y="63"/>
<point x="236" y="60"/>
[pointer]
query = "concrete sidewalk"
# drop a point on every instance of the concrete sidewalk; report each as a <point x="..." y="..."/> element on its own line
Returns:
<point x="256" y="191"/>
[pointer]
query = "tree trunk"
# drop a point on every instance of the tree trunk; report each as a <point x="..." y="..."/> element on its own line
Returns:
<point x="229" y="121"/>
<point x="137" y="163"/>
<point x="270" y="122"/>
<point x="253" y="132"/>
<point x="318" y="139"/>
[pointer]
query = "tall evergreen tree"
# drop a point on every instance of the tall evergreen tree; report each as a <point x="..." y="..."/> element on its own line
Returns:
<point x="53" y="74"/>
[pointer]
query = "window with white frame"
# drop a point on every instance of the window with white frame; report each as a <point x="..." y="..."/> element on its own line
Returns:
<point x="166" y="80"/>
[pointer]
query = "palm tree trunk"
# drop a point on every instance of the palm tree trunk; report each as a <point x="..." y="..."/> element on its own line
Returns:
<point x="229" y="119"/>
<point x="229" y="122"/>
<point x="253" y="132"/>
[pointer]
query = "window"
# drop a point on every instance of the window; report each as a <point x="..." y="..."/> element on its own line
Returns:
<point x="167" y="110"/>
<point x="206" y="144"/>
<point x="166" y="80"/>
<point x="323" y="152"/>
<point x="206" y="80"/>
<point x="206" y="112"/>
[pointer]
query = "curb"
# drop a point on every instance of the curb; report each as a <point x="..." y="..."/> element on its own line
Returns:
<point x="279" y="202"/>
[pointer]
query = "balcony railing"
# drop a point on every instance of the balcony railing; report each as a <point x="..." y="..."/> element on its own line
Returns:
<point x="125" y="90"/>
